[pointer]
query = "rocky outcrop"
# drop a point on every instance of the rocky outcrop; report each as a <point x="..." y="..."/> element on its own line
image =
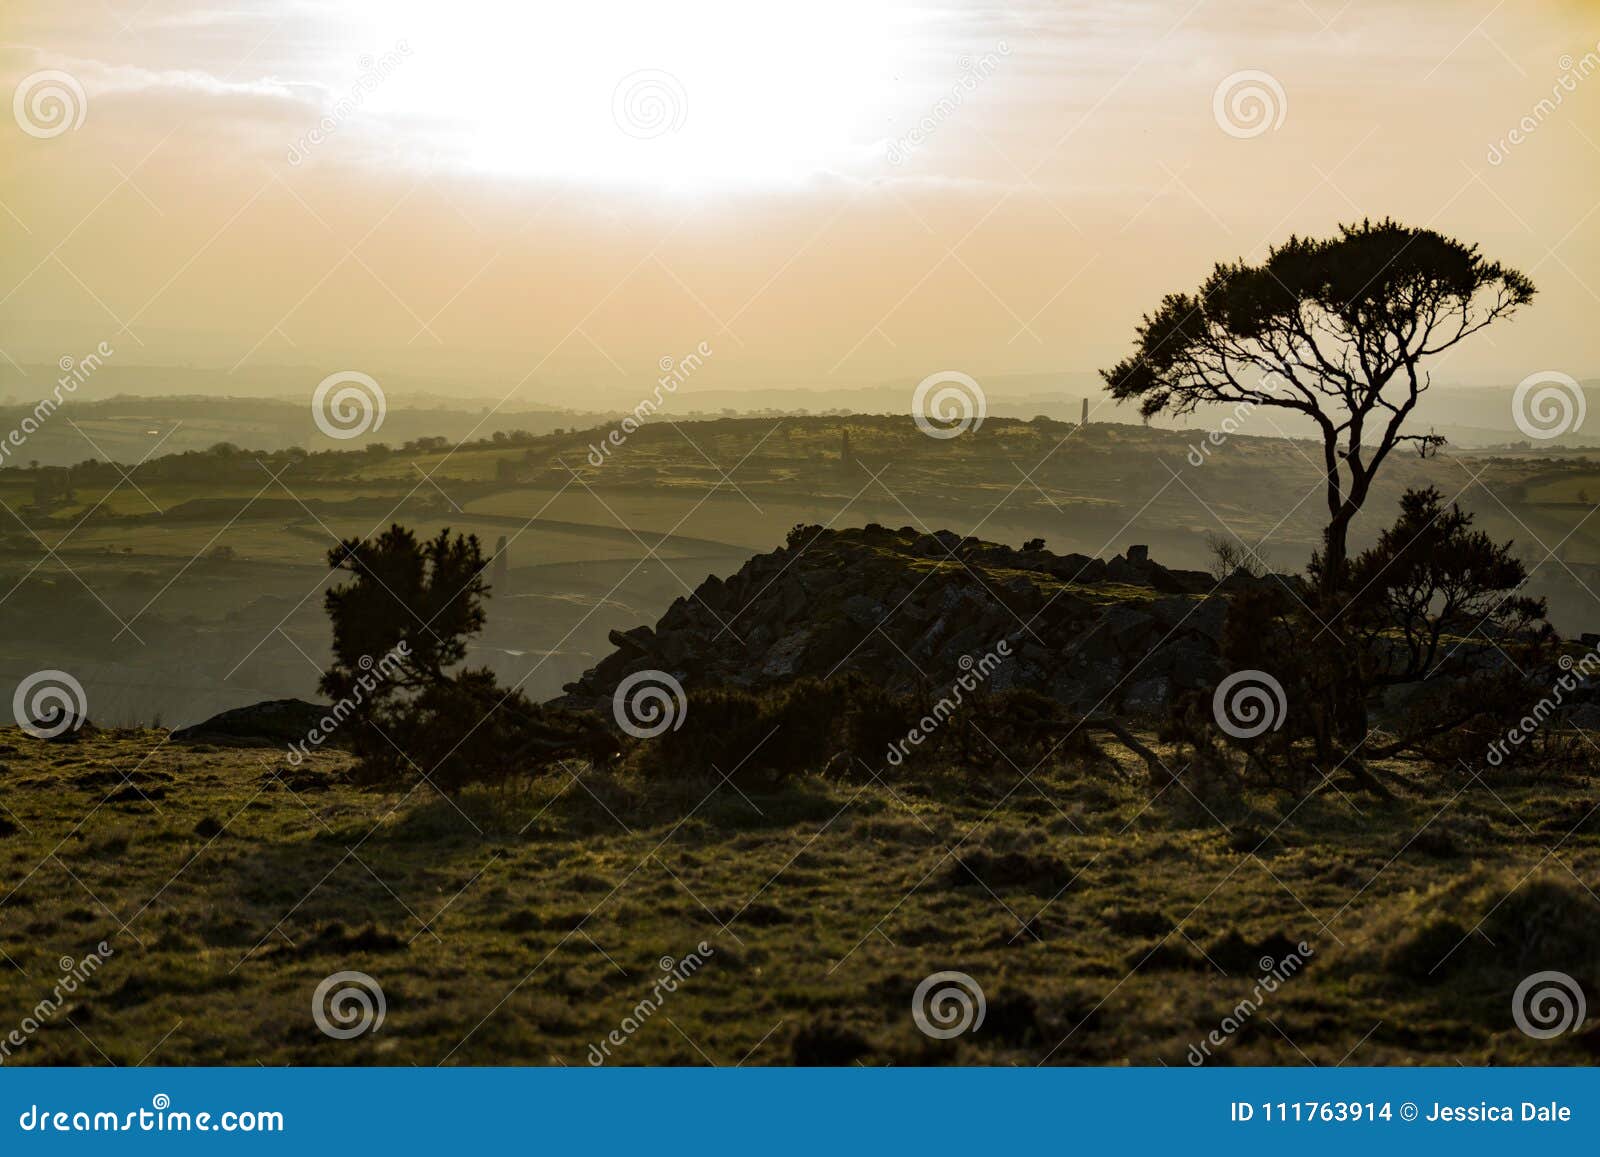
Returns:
<point x="275" y="721"/>
<point x="910" y="609"/>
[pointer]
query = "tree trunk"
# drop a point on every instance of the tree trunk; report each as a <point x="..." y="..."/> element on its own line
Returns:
<point x="1335" y="553"/>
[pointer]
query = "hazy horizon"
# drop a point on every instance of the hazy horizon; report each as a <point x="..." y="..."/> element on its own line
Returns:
<point x="557" y="201"/>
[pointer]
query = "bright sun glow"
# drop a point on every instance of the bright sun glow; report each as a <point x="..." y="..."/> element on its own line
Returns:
<point x="688" y="95"/>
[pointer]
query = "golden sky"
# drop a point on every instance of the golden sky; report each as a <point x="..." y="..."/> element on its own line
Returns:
<point x="556" y="196"/>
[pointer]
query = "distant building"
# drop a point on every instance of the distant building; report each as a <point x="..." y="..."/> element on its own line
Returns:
<point x="1083" y="419"/>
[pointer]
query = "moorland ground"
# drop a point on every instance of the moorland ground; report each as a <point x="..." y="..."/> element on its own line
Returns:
<point x="1106" y="923"/>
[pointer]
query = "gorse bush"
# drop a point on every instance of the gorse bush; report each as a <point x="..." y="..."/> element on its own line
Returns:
<point x="1431" y="613"/>
<point x="399" y="626"/>
<point x="748" y="736"/>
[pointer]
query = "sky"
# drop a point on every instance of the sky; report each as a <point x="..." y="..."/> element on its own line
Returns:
<point x="546" y="201"/>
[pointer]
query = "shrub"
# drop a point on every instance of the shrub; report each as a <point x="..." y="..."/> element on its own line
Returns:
<point x="748" y="735"/>
<point x="398" y="627"/>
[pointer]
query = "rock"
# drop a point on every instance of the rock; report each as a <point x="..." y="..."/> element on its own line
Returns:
<point x="673" y="646"/>
<point x="639" y="640"/>
<point x="1163" y="580"/>
<point x="868" y="601"/>
<point x="275" y="721"/>
<point x="712" y="593"/>
<point x="791" y="602"/>
<point x="1585" y="717"/>
<point x="863" y="611"/>
<point x="786" y="655"/>
<point x="1120" y="570"/>
<point x="1126" y="627"/>
<point x="61" y="726"/>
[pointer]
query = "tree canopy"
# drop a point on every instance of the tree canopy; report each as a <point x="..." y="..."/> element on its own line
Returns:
<point x="1336" y="329"/>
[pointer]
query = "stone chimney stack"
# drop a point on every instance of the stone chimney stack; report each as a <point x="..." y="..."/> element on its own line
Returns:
<point x="1084" y="419"/>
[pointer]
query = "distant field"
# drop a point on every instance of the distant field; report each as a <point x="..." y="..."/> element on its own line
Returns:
<point x="1102" y="925"/>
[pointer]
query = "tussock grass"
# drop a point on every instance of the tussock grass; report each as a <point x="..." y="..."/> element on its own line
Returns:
<point x="520" y="926"/>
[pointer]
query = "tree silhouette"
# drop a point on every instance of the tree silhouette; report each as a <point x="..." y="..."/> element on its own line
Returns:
<point x="425" y="594"/>
<point x="401" y="630"/>
<point x="1335" y="329"/>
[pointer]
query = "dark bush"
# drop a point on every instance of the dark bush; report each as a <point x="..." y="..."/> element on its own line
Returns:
<point x="399" y="626"/>
<point x="750" y="736"/>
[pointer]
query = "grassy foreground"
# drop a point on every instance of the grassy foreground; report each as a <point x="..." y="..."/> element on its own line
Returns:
<point x="1103" y="927"/>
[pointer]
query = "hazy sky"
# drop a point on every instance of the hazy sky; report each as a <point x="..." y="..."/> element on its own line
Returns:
<point x="842" y="191"/>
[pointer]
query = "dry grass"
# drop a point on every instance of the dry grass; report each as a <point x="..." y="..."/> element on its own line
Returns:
<point x="518" y="928"/>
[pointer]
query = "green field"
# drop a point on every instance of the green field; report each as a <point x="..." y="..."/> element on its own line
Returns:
<point x="1103" y="926"/>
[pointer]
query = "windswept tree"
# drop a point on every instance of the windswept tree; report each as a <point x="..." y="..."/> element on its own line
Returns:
<point x="1338" y="330"/>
